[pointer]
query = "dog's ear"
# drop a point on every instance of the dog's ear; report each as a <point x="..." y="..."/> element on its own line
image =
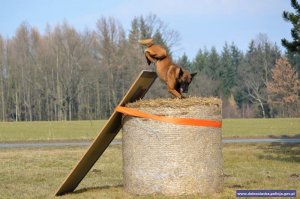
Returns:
<point x="193" y="74"/>
<point x="180" y="74"/>
<point x="148" y="61"/>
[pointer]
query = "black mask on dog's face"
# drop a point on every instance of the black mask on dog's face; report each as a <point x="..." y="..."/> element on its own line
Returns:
<point x="184" y="80"/>
<point x="184" y="87"/>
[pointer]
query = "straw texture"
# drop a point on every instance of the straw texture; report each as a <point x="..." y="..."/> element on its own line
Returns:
<point x="173" y="159"/>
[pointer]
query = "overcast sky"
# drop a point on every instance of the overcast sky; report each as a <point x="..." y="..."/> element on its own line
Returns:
<point x="201" y="23"/>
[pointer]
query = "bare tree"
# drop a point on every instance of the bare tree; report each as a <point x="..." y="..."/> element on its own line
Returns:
<point x="256" y="71"/>
<point x="3" y="60"/>
<point x="110" y="37"/>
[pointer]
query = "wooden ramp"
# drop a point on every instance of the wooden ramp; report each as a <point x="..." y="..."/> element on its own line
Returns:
<point x="137" y="91"/>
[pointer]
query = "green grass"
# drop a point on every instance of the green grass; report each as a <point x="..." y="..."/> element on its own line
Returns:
<point x="25" y="131"/>
<point x="37" y="173"/>
<point x="261" y="127"/>
<point x="12" y="131"/>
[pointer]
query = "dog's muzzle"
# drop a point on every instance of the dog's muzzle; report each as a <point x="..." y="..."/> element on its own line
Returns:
<point x="183" y="89"/>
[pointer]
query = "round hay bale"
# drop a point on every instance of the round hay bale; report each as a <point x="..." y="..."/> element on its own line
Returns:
<point x="173" y="159"/>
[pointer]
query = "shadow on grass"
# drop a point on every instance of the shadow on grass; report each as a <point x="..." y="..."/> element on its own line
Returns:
<point x="106" y="187"/>
<point x="297" y="136"/>
<point x="287" y="152"/>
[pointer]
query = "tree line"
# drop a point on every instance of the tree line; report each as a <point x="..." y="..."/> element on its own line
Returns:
<point x="65" y="74"/>
<point x="243" y="80"/>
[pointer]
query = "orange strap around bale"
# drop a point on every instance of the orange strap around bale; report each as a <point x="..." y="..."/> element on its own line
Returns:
<point x="183" y="121"/>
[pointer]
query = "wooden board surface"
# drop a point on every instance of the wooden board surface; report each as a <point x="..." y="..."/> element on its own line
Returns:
<point x="137" y="91"/>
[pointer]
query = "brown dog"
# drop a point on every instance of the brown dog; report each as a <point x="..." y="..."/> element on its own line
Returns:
<point x="176" y="78"/>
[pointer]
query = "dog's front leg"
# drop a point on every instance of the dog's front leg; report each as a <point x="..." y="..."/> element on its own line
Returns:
<point x="174" y="92"/>
<point x="171" y="84"/>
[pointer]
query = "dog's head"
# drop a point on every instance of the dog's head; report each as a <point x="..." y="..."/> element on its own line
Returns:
<point x="184" y="79"/>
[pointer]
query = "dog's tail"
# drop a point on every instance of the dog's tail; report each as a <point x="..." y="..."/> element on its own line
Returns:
<point x="146" y="42"/>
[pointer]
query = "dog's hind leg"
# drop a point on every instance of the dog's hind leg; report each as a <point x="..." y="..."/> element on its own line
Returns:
<point x="149" y="58"/>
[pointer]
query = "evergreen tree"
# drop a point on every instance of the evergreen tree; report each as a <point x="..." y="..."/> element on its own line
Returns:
<point x="134" y="33"/>
<point x="201" y="60"/>
<point x="294" y="18"/>
<point x="211" y="70"/>
<point x="184" y="62"/>
<point x="145" y="29"/>
<point x="236" y="56"/>
<point x="158" y="38"/>
<point x="294" y="59"/>
<point x="226" y="71"/>
<point x="152" y="27"/>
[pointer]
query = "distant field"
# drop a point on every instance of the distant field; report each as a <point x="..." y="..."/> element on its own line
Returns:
<point x="261" y="127"/>
<point x="11" y="131"/>
<point x="65" y="130"/>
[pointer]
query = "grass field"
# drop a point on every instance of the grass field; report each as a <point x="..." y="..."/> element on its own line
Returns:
<point x="37" y="173"/>
<point x="280" y="127"/>
<point x="63" y="130"/>
<point x="25" y="131"/>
